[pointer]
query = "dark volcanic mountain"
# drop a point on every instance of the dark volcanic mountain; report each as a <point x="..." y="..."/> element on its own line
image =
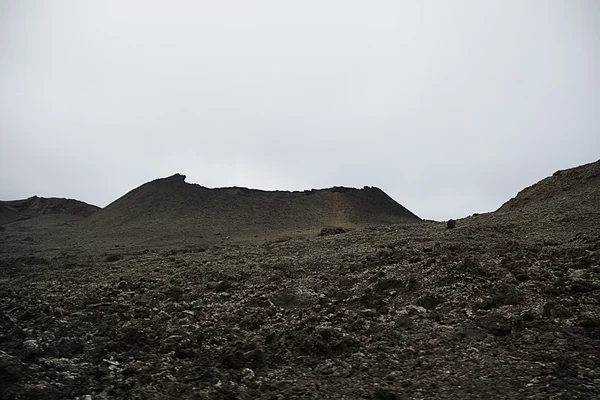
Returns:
<point x="170" y="208"/>
<point x="36" y="206"/>
<point x="505" y="305"/>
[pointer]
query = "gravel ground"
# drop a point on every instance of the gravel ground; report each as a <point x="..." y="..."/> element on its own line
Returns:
<point x="490" y="309"/>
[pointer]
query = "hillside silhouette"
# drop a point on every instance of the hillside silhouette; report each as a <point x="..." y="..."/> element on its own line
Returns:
<point x="169" y="208"/>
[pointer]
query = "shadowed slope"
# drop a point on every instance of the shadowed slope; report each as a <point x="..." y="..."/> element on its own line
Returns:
<point x="170" y="208"/>
<point x="35" y="206"/>
<point x="8" y="214"/>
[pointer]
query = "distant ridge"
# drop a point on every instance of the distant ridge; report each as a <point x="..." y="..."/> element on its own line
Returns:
<point x="169" y="207"/>
<point x="35" y="206"/>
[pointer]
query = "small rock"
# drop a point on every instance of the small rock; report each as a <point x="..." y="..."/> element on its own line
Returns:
<point x="340" y="372"/>
<point x="429" y="301"/>
<point x="522" y="277"/>
<point x="385" y="394"/>
<point x="332" y="231"/>
<point x="10" y="367"/>
<point x="497" y="324"/>
<point x="588" y="320"/>
<point x="184" y="353"/>
<point x="112" y="258"/>
<point x="222" y="286"/>
<point x="247" y="374"/>
<point x="69" y="347"/>
<point x="403" y="322"/>
<point x="553" y="310"/>
<point x="451" y="224"/>
<point x="394" y="375"/>
<point x="31" y="349"/>
<point x="528" y="315"/>
<point x="368" y="312"/>
<point x="474" y="334"/>
<point x="413" y="310"/>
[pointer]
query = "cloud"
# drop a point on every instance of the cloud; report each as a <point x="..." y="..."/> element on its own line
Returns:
<point x="449" y="107"/>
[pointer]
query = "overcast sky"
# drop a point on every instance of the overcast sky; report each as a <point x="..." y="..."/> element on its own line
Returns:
<point x="451" y="107"/>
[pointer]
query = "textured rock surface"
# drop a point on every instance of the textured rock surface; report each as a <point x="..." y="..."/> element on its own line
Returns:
<point x="446" y="314"/>
<point x="506" y="305"/>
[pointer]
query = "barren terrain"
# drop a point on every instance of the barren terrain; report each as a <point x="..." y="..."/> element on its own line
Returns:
<point x="506" y="305"/>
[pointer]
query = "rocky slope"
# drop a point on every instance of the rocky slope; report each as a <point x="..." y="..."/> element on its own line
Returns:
<point x="571" y="192"/>
<point x="506" y="305"/>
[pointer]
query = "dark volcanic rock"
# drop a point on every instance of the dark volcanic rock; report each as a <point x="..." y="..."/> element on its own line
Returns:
<point x="382" y="312"/>
<point x="496" y="323"/>
<point x="331" y="231"/>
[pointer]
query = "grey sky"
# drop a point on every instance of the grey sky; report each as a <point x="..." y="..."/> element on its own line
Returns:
<point x="451" y="107"/>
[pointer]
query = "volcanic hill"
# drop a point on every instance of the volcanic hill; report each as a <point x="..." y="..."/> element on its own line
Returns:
<point x="35" y="206"/>
<point x="170" y="209"/>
